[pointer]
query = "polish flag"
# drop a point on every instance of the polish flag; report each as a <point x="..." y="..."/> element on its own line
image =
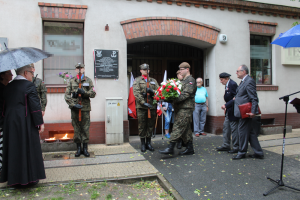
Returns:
<point x="131" y="100"/>
<point x="158" y="111"/>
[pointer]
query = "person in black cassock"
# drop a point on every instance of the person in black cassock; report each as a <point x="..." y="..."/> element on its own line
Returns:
<point x="23" y="121"/>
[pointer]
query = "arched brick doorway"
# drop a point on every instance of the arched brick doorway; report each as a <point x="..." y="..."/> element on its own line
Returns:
<point x="163" y="43"/>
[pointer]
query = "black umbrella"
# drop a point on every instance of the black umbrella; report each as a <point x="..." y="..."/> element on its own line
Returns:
<point x="19" y="57"/>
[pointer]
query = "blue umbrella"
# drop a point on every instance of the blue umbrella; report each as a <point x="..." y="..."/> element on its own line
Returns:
<point x="290" y="38"/>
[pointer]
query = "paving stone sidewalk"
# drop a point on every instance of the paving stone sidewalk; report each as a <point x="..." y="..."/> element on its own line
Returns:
<point x="110" y="162"/>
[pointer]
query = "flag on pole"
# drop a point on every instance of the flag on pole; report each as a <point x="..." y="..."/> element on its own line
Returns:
<point x="131" y="100"/>
<point x="158" y="111"/>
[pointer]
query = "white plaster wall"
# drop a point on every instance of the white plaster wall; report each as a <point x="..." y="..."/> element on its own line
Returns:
<point x="21" y="23"/>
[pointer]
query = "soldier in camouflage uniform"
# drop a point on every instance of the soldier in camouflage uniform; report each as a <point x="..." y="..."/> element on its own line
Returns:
<point x="41" y="90"/>
<point x="140" y="91"/>
<point x="184" y="106"/>
<point x="81" y="128"/>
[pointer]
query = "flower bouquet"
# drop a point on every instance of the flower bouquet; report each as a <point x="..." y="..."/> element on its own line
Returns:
<point x="168" y="91"/>
<point x="65" y="75"/>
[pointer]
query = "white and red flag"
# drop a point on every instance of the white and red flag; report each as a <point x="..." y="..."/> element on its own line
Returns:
<point x="131" y="100"/>
<point x="158" y="111"/>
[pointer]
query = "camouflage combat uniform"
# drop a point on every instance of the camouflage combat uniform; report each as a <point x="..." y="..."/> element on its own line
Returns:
<point x="42" y="91"/>
<point x="184" y="106"/>
<point x="145" y="124"/>
<point x="81" y="128"/>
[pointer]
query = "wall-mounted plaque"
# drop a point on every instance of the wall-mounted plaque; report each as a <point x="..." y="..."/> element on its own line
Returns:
<point x="106" y="63"/>
<point x="290" y="56"/>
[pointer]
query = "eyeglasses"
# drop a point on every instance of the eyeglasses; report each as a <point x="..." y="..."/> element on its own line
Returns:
<point x="199" y="82"/>
<point x="182" y="69"/>
<point x="239" y="70"/>
<point x="31" y="72"/>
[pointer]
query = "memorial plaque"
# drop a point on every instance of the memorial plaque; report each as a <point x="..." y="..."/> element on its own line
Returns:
<point x="106" y="63"/>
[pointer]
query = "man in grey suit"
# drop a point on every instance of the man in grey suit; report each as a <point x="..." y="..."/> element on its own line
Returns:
<point x="246" y="92"/>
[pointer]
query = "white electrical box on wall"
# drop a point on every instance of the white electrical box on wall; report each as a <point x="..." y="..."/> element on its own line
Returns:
<point x="223" y="38"/>
<point x="114" y="120"/>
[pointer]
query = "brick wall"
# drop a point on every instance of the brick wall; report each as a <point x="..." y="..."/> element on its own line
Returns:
<point x="62" y="11"/>
<point x="266" y="28"/>
<point x="97" y="131"/>
<point x="214" y="124"/>
<point x="154" y="26"/>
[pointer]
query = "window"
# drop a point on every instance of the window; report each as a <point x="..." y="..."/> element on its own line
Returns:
<point x="65" y="41"/>
<point x="261" y="57"/>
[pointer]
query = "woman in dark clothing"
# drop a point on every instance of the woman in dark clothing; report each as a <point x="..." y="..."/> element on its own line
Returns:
<point x="5" y="78"/>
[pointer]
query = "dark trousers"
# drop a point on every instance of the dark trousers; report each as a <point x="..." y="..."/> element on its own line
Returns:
<point x="247" y="134"/>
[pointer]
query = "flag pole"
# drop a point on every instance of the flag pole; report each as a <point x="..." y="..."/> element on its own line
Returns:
<point x="162" y="127"/>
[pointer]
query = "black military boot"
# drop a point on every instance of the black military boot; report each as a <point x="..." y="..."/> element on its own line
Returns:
<point x="78" y="152"/>
<point x="85" y="151"/>
<point x="179" y="143"/>
<point x="148" y="144"/>
<point x="189" y="149"/>
<point x="169" y="149"/>
<point x="143" y="146"/>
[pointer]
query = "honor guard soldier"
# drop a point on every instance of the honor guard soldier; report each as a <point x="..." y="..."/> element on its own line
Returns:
<point x="144" y="104"/>
<point x="74" y="96"/>
<point x="184" y="106"/>
<point x="41" y="90"/>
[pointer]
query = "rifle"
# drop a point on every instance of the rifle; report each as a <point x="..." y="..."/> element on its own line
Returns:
<point x="149" y="113"/>
<point x="79" y="95"/>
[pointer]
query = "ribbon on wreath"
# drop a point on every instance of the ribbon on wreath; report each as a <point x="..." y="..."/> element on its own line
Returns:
<point x="178" y="91"/>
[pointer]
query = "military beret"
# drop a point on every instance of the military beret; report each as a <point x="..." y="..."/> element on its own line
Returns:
<point x="144" y="66"/>
<point x="79" y="65"/>
<point x="184" y="65"/>
<point x="224" y="75"/>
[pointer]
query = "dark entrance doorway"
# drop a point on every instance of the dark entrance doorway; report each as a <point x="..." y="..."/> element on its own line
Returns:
<point x="161" y="56"/>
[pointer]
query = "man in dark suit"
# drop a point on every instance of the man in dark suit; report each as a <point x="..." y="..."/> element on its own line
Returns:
<point x="246" y="92"/>
<point x="231" y="122"/>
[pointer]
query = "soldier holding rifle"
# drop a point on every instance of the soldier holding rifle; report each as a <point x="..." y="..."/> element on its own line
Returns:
<point x="78" y="93"/>
<point x="143" y="90"/>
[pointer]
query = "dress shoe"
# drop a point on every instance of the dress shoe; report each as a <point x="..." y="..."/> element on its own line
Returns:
<point x="256" y="156"/>
<point x="204" y="134"/>
<point x="233" y="151"/>
<point x="197" y="134"/>
<point x="238" y="157"/>
<point x="222" y="149"/>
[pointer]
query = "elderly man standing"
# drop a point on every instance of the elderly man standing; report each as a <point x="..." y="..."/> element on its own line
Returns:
<point x="183" y="106"/>
<point x="23" y="121"/>
<point x="201" y="108"/>
<point x="246" y="92"/>
<point x="231" y="122"/>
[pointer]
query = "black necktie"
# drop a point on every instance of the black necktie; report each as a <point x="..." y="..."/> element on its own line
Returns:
<point x="241" y="83"/>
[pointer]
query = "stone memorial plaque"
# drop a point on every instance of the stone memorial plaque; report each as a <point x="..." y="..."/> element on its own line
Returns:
<point x="106" y="63"/>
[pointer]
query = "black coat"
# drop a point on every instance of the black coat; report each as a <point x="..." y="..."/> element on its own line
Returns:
<point x="22" y="154"/>
<point x="230" y="92"/>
